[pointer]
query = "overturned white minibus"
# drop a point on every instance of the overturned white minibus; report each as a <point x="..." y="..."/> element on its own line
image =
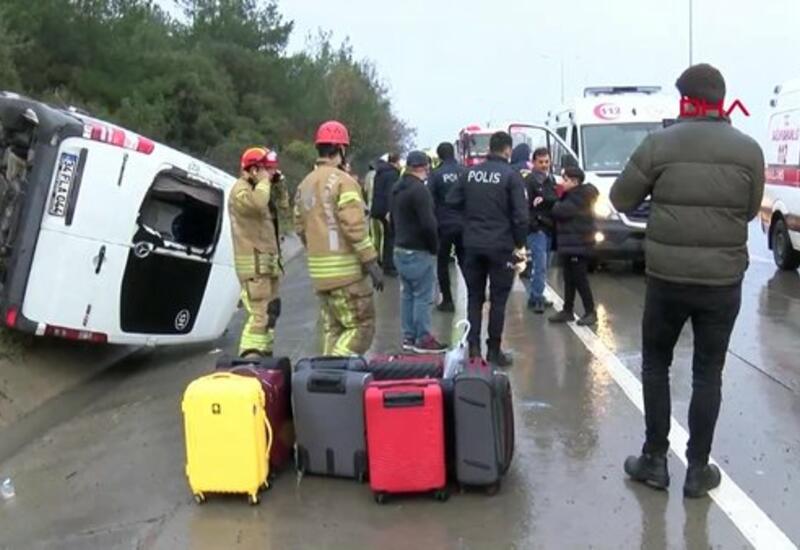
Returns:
<point x="107" y="236"/>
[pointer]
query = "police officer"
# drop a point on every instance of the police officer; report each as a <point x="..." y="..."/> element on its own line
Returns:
<point x="493" y="199"/>
<point x="450" y="223"/>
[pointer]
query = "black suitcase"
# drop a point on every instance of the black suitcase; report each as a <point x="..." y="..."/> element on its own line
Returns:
<point x="483" y="419"/>
<point x="406" y="366"/>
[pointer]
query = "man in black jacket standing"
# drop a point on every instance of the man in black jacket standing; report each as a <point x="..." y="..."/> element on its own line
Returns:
<point x="386" y="175"/>
<point x="706" y="180"/>
<point x="541" y="198"/>
<point x="415" y="254"/>
<point x="451" y="224"/>
<point x="493" y="198"/>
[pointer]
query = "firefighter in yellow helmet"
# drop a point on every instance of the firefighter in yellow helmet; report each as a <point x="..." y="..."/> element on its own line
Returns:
<point x="329" y="218"/>
<point x="256" y="248"/>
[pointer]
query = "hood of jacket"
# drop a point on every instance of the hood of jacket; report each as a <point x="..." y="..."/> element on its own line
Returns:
<point x="587" y="192"/>
<point x="383" y="166"/>
<point x="405" y="182"/>
<point x="520" y="156"/>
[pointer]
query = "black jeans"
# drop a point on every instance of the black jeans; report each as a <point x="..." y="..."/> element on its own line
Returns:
<point x="449" y="238"/>
<point x="712" y="311"/>
<point x="494" y="265"/>
<point x="576" y="278"/>
<point x="387" y="260"/>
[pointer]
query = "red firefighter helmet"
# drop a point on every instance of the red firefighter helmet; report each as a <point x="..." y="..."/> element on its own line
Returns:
<point x="254" y="156"/>
<point x="259" y="156"/>
<point x="333" y="132"/>
<point x="272" y="159"/>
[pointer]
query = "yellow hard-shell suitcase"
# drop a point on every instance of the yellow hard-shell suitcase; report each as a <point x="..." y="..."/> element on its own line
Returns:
<point x="228" y="436"/>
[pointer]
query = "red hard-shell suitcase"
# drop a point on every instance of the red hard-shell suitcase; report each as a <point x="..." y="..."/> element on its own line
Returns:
<point x="275" y="377"/>
<point x="405" y="437"/>
<point x="406" y="366"/>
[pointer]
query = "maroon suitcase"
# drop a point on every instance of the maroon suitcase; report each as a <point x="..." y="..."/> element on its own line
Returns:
<point x="275" y="377"/>
<point x="405" y="437"/>
<point x="406" y="366"/>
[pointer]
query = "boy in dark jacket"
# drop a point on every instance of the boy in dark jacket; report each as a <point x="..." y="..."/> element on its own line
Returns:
<point x="575" y="234"/>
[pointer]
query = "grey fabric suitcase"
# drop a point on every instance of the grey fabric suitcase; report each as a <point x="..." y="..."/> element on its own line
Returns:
<point x="329" y="422"/>
<point x="484" y="427"/>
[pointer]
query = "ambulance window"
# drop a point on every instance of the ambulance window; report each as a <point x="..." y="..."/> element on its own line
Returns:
<point x="182" y="212"/>
<point x="562" y="132"/>
<point x="574" y="142"/>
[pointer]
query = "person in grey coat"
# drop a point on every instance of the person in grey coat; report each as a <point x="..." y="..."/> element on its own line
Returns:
<point x="706" y="180"/>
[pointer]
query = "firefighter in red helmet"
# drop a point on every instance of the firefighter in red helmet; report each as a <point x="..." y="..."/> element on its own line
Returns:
<point x="256" y="248"/>
<point x="329" y="218"/>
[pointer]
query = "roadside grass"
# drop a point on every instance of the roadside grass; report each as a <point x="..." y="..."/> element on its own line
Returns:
<point x="14" y="344"/>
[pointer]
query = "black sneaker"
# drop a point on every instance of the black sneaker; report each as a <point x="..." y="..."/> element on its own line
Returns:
<point x="539" y="307"/>
<point x="429" y="344"/>
<point x="648" y="469"/>
<point x="446" y="307"/>
<point x="588" y="320"/>
<point x="499" y="359"/>
<point x="700" y="479"/>
<point x="563" y="316"/>
<point x="408" y="344"/>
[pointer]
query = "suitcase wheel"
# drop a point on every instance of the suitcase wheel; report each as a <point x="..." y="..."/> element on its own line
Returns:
<point x="253" y="500"/>
<point x="380" y="498"/>
<point x="493" y="489"/>
<point x="199" y="498"/>
<point x="266" y="486"/>
<point x="442" y="495"/>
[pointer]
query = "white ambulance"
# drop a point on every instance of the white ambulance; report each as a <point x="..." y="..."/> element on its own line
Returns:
<point x="115" y="238"/>
<point x="780" y="209"/>
<point x="603" y="128"/>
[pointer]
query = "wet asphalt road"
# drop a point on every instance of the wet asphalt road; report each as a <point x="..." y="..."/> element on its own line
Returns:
<point x="110" y="472"/>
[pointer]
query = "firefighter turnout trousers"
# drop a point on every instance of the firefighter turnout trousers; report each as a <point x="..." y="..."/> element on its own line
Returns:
<point x="348" y="319"/>
<point x="262" y="305"/>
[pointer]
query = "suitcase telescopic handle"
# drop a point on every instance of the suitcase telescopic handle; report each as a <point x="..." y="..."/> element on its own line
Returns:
<point x="323" y="382"/>
<point x="403" y="399"/>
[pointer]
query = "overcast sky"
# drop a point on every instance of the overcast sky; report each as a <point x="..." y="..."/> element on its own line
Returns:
<point x="451" y="63"/>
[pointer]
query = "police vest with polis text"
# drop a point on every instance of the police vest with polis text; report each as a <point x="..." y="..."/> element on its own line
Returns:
<point x="495" y="206"/>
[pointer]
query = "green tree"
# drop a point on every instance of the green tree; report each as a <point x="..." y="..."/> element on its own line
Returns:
<point x="210" y="83"/>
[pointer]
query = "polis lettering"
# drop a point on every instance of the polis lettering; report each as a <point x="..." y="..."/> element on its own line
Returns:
<point x="485" y="177"/>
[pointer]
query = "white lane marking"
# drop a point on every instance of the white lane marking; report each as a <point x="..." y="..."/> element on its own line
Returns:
<point x="752" y="521"/>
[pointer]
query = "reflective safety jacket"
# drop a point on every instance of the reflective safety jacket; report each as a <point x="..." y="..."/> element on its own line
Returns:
<point x="329" y="218"/>
<point x="255" y="243"/>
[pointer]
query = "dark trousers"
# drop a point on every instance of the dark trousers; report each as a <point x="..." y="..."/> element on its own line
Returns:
<point x="448" y="239"/>
<point x="713" y="312"/>
<point x="576" y="279"/>
<point x="494" y="265"/>
<point x="387" y="252"/>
